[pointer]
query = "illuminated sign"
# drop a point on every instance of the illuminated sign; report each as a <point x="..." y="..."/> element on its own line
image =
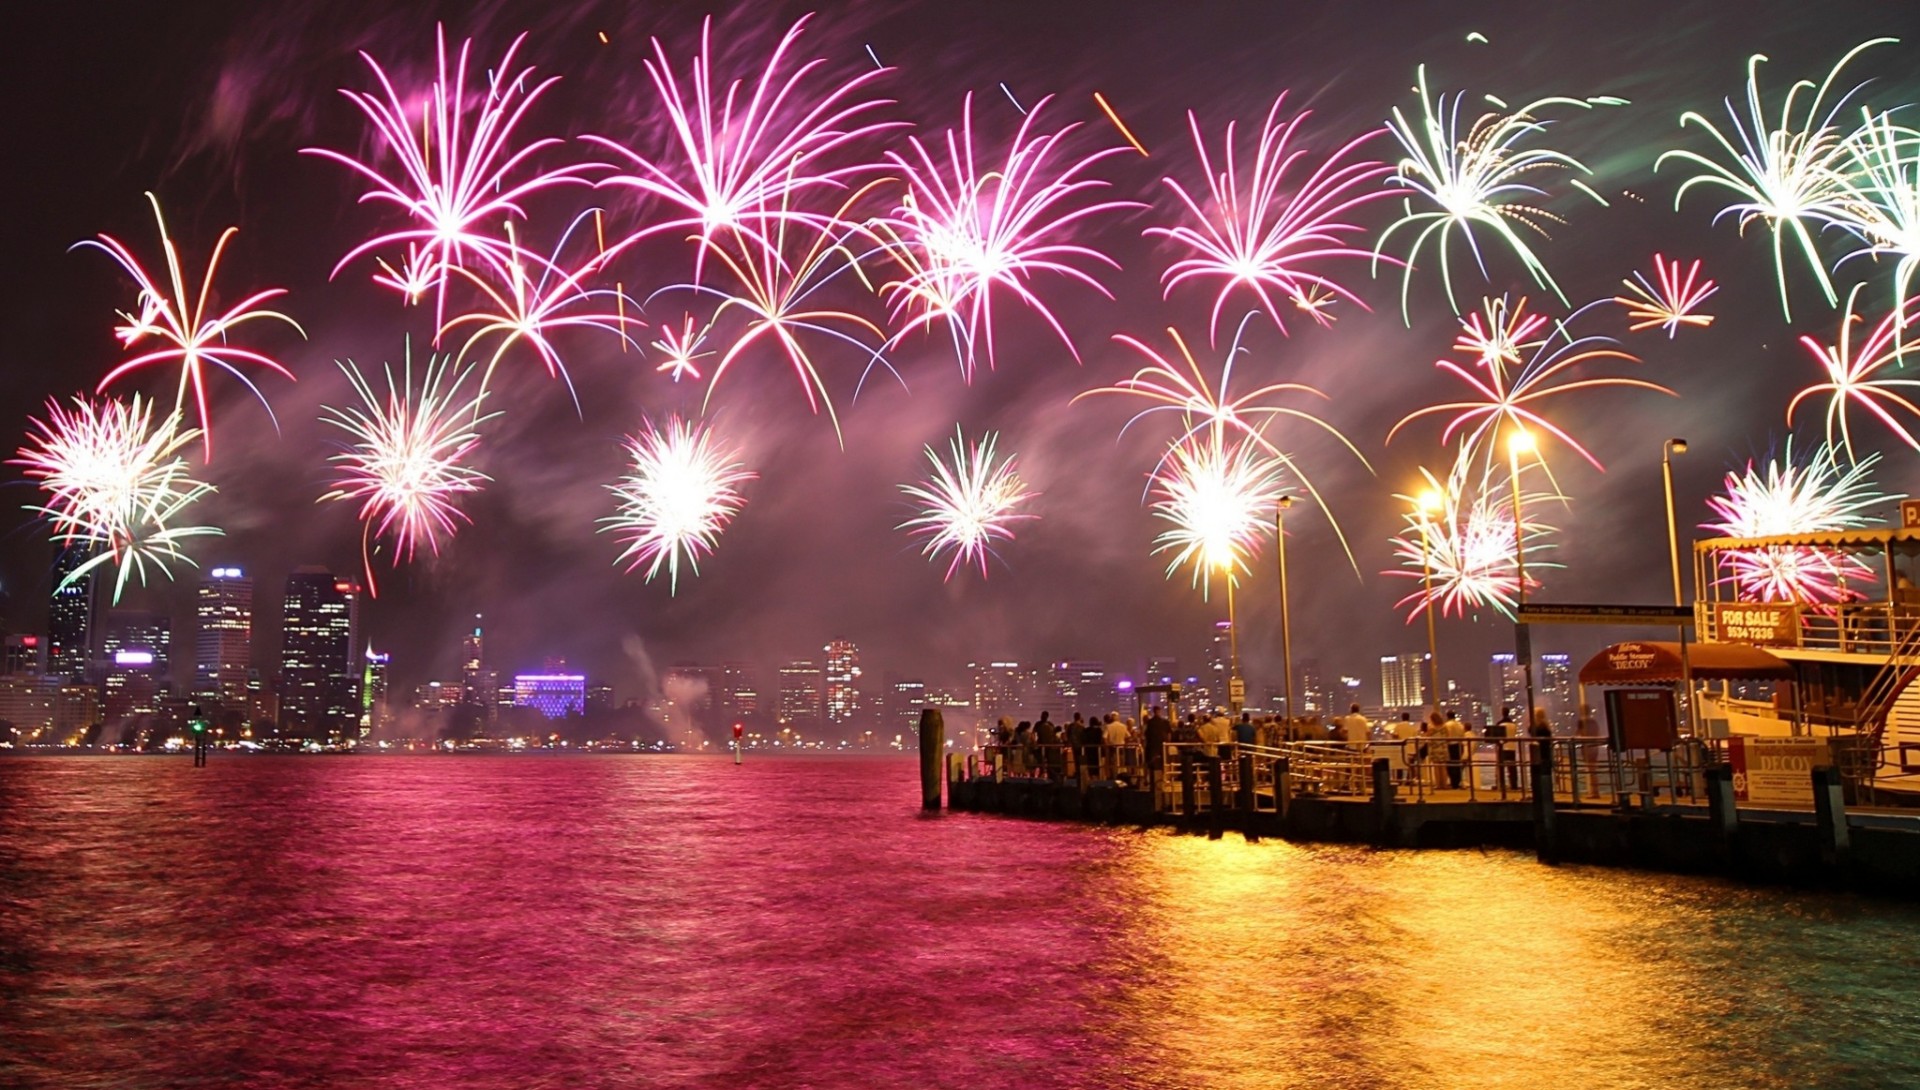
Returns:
<point x="1761" y="624"/>
<point x="133" y="658"/>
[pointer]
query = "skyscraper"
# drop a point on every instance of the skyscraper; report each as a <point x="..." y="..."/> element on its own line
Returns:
<point x="739" y="696"/>
<point x="223" y="647"/>
<point x="373" y="691"/>
<point x="800" y="692"/>
<point x="1403" y="680"/>
<point x="1219" y="661"/>
<point x="842" y="681"/>
<point x="70" y="616"/>
<point x="319" y="664"/>
<point x="554" y="696"/>
<point x="26" y="656"/>
<point x="1002" y="688"/>
<point x="1556" y="692"/>
<point x="1316" y="696"/>
<point x="1507" y="687"/>
<point x="137" y="630"/>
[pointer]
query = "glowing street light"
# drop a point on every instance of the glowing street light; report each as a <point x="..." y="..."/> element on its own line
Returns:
<point x="1430" y="503"/>
<point x="1286" y="633"/>
<point x="1667" y="450"/>
<point x="1520" y="441"/>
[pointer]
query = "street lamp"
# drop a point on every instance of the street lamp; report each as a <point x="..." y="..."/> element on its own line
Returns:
<point x="1286" y="634"/>
<point x="1518" y="443"/>
<point x="1667" y="450"/>
<point x="1225" y="564"/>
<point x="1429" y="503"/>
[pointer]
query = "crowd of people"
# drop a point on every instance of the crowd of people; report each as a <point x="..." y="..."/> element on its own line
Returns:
<point x="1435" y="749"/>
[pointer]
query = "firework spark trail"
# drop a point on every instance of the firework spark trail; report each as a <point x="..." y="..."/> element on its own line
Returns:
<point x="734" y="165"/>
<point x="968" y="503"/>
<point x="1257" y="234"/>
<point x="1794" y="496"/>
<point x="776" y="284"/>
<point x="681" y="349"/>
<point x="1791" y="174"/>
<point x="960" y="233"/>
<point x="1500" y="333"/>
<point x="115" y="483"/>
<point x="1106" y="107"/>
<point x="180" y="320"/>
<point x="681" y="491"/>
<point x="1854" y="376"/>
<point x="457" y="169"/>
<point x="1465" y="550"/>
<point x="1219" y="495"/>
<point x="1475" y="177"/>
<point x="406" y="464"/>
<point x="1882" y="206"/>
<point x="1672" y="299"/>
<point x="1507" y="401"/>
<point x="531" y="305"/>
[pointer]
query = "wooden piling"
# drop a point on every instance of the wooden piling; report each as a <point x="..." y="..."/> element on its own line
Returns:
<point x="1382" y="802"/>
<point x="1249" y="801"/>
<point x="1830" y="812"/>
<point x="1545" y="847"/>
<point x="1720" y="807"/>
<point x="1189" y="805"/>
<point x="933" y="744"/>
<point x="1216" y="798"/>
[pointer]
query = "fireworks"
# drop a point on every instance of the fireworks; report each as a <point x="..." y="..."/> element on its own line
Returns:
<point x="1475" y="177"/>
<point x="967" y="504"/>
<point x="1791" y="496"/>
<point x="776" y="284"/>
<point x="1672" y="300"/>
<point x="961" y="233"/>
<point x="1219" y="494"/>
<point x="1464" y="550"/>
<point x="1510" y="399"/>
<point x="459" y="170"/>
<point x="534" y="305"/>
<point x="1263" y="237"/>
<point x="1789" y="174"/>
<point x="181" y="322"/>
<point x="407" y="464"/>
<point x="1505" y="335"/>
<point x="115" y="483"/>
<point x="682" y="350"/>
<point x="739" y="163"/>
<point x="1852" y="376"/>
<point x="1883" y="203"/>
<point x="679" y="494"/>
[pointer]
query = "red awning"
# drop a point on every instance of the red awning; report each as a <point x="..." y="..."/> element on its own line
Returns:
<point x="1653" y="661"/>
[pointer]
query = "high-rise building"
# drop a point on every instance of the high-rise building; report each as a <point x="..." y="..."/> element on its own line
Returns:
<point x="1507" y="687"/>
<point x="374" y="708"/>
<point x="70" y="616"/>
<point x="739" y="696"/>
<point x="906" y="698"/>
<point x="320" y="668"/>
<point x="1403" y="680"/>
<point x="842" y="677"/>
<point x="1162" y="670"/>
<point x="223" y="647"/>
<point x="800" y="692"/>
<point x="1316" y="696"/>
<point x="1556" y="692"/>
<point x="479" y="682"/>
<point x="26" y="656"/>
<point x="1002" y="688"/>
<point x="1078" y="685"/>
<point x="1219" y="661"/>
<point x="555" y="696"/>
<point x="600" y="696"/>
<point x="138" y="630"/>
<point x="694" y="691"/>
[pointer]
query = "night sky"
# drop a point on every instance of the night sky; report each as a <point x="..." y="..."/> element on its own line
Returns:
<point x="208" y="105"/>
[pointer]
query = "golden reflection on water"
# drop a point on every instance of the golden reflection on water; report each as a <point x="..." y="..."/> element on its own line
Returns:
<point x="1280" y="965"/>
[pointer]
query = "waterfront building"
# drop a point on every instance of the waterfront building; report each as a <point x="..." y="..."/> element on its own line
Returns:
<point x="320" y="669"/>
<point x="138" y="630"/>
<point x="1162" y="670"/>
<point x="70" y="616"/>
<point x="76" y="712"/>
<point x="373" y="691"/>
<point x="739" y="696"/>
<point x="1002" y="688"/>
<point x="223" y="644"/>
<point x="435" y="695"/>
<point x="1556" y="691"/>
<point x="26" y="701"/>
<point x="842" y="676"/>
<point x="1403" y="680"/>
<point x="600" y="696"/>
<point x="130" y="684"/>
<point x="906" y="698"/>
<point x="1507" y="686"/>
<point x="1078" y="685"/>
<point x="694" y="690"/>
<point x="25" y="656"/>
<point x="800" y="692"/>
<point x="1315" y="695"/>
<point x="1219" y="661"/>
<point x="554" y="696"/>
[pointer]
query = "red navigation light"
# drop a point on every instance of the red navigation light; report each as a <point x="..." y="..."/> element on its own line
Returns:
<point x="738" y="730"/>
<point x="29" y="641"/>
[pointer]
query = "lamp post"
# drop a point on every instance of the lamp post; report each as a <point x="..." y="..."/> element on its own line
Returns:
<point x="1667" y="450"/>
<point x="1286" y="634"/>
<point x="1430" y="502"/>
<point x="1518" y="443"/>
<point x="1233" y="645"/>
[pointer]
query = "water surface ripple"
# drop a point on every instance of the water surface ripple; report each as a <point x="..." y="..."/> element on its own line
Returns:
<point x="586" y="922"/>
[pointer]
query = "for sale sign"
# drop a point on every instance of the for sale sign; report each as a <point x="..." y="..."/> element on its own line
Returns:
<point x="1776" y="772"/>
<point x="1762" y="624"/>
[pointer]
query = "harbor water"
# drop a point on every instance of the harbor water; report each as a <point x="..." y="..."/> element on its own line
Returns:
<point x="651" y="921"/>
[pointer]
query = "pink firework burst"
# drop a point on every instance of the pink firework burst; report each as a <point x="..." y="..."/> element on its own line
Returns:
<point x="1794" y="496"/>
<point x="962" y="233"/>
<point x="538" y="298"/>
<point x="968" y="503"/>
<point x="1462" y="550"/>
<point x="1256" y="231"/>
<point x="190" y="333"/>
<point x="681" y="490"/>
<point x="1672" y="299"/>
<point x="737" y="161"/>
<point x="1854" y="375"/>
<point x="1512" y="400"/>
<point x="459" y="171"/>
<point x="681" y="347"/>
<point x="1500" y="333"/>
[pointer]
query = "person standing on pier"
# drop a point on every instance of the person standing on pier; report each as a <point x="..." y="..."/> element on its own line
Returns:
<point x="1456" y="735"/>
<point x="1508" y="759"/>
<point x="1046" y="736"/>
<point x="1158" y="732"/>
<point x="1113" y="735"/>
